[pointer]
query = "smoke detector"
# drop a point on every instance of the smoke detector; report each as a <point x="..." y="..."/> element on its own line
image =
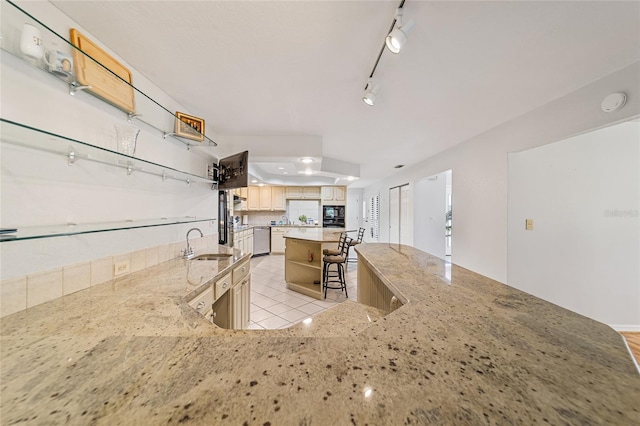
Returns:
<point x="614" y="102"/>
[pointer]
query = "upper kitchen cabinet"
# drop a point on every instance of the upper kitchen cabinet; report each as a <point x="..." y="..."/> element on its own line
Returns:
<point x="334" y="194"/>
<point x="253" y="198"/>
<point x="278" y="199"/>
<point x="303" y="192"/>
<point x="265" y="198"/>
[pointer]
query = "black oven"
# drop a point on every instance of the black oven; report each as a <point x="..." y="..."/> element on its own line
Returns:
<point x="333" y="216"/>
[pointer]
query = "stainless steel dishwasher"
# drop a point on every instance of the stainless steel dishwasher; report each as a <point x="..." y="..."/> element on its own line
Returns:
<point x="261" y="240"/>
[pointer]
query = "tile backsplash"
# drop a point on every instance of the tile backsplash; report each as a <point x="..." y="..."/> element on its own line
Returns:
<point x="20" y="293"/>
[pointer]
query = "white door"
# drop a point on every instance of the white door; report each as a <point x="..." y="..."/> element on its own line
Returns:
<point x="394" y="215"/>
<point x="353" y="212"/>
<point x="430" y="213"/>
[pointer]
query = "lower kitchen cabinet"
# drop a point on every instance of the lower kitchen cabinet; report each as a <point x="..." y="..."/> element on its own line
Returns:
<point x="241" y="296"/>
<point x="277" y="241"/>
<point x="241" y="304"/>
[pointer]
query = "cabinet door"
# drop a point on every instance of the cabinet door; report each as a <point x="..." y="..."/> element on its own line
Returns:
<point x="277" y="241"/>
<point x="294" y="192"/>
<point x="339" y="193"/>
<point x="265" y="198"/>
<point x="311" y="192"/>
<point x="278" y="200"/>
<point x="236" y="306"/>
<point x="250" y="242"/>
<point x="253" y="198"/>
<point x="327" y="193"/>
<point x="245" y="301"/>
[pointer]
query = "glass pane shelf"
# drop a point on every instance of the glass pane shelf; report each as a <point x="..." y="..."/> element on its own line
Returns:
<point x="74" y="151"/>
<point x="35" y="232"/>
<point x="147" y="110"/>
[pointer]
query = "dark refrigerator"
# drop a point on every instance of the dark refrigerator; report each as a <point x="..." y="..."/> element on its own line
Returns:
<point x="225" y="218"/>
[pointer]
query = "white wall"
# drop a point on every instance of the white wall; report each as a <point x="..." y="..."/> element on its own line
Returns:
<point x="39" y="189"/>
<point x="479" y="167"/>
<point x="429" y="214"/>
<point x="584" y="197"/>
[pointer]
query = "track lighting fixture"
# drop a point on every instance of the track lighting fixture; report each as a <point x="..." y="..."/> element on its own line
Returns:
<point x="398" y="36"/>
<point x="370" y="93"/>
<point x="394" y="41"/>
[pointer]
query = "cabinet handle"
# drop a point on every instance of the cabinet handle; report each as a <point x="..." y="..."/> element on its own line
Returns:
<point x="200" y="305"/>
<point x="244" y="269"/>
<point x="225" y="285"/>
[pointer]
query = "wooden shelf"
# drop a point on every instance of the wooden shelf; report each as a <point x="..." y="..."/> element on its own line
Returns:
<point x="314" y="265"/>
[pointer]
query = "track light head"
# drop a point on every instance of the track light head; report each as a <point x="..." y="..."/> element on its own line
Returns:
<point x="398" y="36"/>
<point x="370" y="93"/>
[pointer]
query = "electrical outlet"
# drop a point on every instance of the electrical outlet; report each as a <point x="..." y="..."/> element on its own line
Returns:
<point x="121" y="268"/>
<point x="528" y="224"/>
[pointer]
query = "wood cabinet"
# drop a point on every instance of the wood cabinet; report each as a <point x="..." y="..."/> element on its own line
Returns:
<point x="253" y="198"/>
<point x="243" y="240"/>
<point x="278" y="199"/>
<point x="334" y="194"/>
<point x="203" y="302"/>
<point x="241" y="296"/>
<point x="241" y="205"/>
<point x="265" y="198"/>
<point x="303" y="192"/>
<point x="277" y="240"/>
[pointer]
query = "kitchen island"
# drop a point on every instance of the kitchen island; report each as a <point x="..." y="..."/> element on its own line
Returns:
<point x="303" y="258"/>
<point x="462" y="349"/>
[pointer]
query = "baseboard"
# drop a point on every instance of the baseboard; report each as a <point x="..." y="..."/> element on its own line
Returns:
<point x="625" y="327"/>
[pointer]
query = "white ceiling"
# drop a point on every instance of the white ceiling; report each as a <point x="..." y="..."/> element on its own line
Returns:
<point x="297" y="69"/>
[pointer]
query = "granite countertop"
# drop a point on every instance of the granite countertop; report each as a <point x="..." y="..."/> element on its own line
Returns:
<point x="321" y="235"/>
<point x="463" y="349"/>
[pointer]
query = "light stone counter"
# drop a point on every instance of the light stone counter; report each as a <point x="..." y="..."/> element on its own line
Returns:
<point x="462" y="350"/>
<point x="315" y="234"/>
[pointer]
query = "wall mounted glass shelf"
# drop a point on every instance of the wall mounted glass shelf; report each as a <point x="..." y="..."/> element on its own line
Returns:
<point x="69" y="229"/>
<point x="147" y="111"/>
<point x="73" y="150"/>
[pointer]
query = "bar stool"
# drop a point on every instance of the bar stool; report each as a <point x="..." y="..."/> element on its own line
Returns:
<point x="338" y="251"/>
<point x="337" y="276"/>
<point x="355" y="242"/>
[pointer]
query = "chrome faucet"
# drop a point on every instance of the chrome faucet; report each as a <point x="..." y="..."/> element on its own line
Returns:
<point x="188" y="252"/>
<point x="286" y="219"/>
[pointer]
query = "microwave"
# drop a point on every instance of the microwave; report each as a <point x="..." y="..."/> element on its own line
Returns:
<point x="333" y="216"/>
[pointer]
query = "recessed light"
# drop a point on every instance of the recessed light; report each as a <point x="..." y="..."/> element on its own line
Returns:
<point x="306" y="160"/>
<point x="280" y="168"/>
<point x="351" y="178"/>
<point x="254" y="181"/>
<point x="285" y="173"/>
<point x="261" y="184"/>
<point x="399" y="166"/>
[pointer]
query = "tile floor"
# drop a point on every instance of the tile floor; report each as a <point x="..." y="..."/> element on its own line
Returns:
<point x="274" y="306"/>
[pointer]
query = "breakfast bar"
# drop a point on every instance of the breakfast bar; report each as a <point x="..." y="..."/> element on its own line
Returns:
<point x="458" y="348"/>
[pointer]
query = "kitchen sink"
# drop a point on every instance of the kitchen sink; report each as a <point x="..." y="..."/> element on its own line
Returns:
<point x="212" y="256"/>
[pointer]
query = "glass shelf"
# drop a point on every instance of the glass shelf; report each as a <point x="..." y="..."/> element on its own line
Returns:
<point x="74" y="151"/>
<point x="147" y="110"/>
<point x="35" y="232"/>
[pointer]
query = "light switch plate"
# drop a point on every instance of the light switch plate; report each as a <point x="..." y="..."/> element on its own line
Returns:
<point x="528" y="224"/>
<point x="121" y="268"/>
